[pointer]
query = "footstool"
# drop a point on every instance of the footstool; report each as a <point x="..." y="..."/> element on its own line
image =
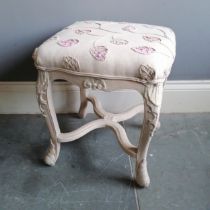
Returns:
<point x="107" y="56"/>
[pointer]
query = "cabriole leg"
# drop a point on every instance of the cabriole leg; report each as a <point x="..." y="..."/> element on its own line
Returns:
<point x="152" y="104"/>
<point x="83" y="103"/>
<point x="44" y="96"/>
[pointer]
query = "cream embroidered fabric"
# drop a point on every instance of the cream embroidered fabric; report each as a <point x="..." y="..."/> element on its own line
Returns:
<point x="110" y="49"/>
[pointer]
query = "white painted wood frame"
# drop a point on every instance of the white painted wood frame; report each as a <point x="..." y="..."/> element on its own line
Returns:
<point x="152" y="95"/>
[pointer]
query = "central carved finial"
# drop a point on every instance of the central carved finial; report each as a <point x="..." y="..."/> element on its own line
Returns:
<point x="94" y="84"/>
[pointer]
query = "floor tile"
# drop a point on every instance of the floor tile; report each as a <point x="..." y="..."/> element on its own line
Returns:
<point x="178" y="163"/>
<point x="92" y="173"/>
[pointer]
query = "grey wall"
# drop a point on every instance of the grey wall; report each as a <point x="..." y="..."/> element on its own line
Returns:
<point x="24" y="24"/>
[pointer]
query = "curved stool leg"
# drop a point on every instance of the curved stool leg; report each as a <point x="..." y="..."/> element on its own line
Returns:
<point x="44" y="96"/>
<point x="152" y="104"/>
<point x="84" y="102"/>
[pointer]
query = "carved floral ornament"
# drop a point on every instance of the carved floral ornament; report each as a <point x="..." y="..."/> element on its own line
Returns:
<point x="94" y="84"/>
<point x="41" y="90"/>
<point x="153" y="98"/>
<point x="146" y="73"/>
<point x="70" y="63"/>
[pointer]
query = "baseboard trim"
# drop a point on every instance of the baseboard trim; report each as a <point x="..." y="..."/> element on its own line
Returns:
<point x="179" y="97"/>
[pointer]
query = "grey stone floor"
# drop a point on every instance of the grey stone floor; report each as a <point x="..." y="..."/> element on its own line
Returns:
<point x="94" y="174"/>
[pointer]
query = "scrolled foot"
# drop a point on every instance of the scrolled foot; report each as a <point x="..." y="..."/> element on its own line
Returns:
<point x="142" y="177"/>
<point x="52" y="153"/>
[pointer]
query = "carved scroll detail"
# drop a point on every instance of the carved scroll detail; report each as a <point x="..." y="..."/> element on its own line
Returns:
<point x="42" y="84"/>
<point x="153" y="98"/>
<point x="94" y="84"/>
<point x="44" y="100"/>
<point x="52" y="153"/>
<point x="152" y="103"/>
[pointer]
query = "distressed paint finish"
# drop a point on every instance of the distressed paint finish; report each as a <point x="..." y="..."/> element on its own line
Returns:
<point x="152" y="103"/>
<point x="152" y="94"/>
<point x="47" y="109"/>
<point x="145" y="76"/>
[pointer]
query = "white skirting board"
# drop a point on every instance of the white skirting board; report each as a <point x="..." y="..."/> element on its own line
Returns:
<point x="179" y="97"/>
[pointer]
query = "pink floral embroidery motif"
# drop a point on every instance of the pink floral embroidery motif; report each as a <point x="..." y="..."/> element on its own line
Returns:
<point x="79" y="31"/>
<point x="152" y="38"/>
<point x="129" y="28"/>
<point x="118" y="41"/>
<point x="99" y="27"/>
<point x="99" y="52"/>
<point x="143" y="50"/>
<point x="67" y="43"/>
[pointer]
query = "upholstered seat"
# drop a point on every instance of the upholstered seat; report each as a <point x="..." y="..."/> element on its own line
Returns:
<point x="110" y="49"/>
<point x="106" y="56"/>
